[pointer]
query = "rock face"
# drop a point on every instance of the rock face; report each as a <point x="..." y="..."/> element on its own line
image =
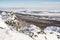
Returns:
<point x="35" y="19"/>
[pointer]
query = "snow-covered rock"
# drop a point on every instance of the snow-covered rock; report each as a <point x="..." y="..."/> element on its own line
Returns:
<point x="52" y="29"/>
<point x="31" y="30"/>
<point x="52" y="33"/>
<point x="7" y="34"/>
<point x="2" y="24"/>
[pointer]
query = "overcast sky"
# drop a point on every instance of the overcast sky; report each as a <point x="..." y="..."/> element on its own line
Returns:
<point x="30" y="3"/>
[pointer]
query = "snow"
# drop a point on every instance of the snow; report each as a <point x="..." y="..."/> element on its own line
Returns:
<point x="32" y="32"/>
<point x="51" y="37"/>
<point x="7" y="34"/>
<point x="2" y="24"/>
<point x="53" y="29"/>
<point x="12" y="35"/>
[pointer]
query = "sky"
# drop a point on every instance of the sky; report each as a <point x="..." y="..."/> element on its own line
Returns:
<point x="31" y="3"/>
